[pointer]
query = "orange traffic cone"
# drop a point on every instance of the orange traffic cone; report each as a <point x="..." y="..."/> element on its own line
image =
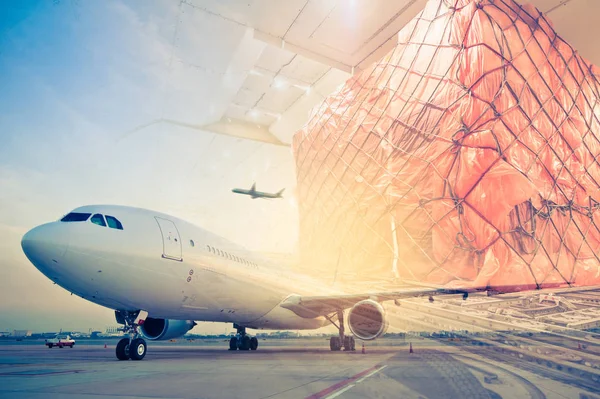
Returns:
<point x="410" y="350"/>
<point x="363" y="348"/>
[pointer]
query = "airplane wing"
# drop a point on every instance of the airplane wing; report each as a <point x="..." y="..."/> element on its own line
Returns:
<point x="313" y="306"/>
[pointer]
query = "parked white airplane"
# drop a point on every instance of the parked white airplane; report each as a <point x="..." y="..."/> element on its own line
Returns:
<point x="160" y="273"/>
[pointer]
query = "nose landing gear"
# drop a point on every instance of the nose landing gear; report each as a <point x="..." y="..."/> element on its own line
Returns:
<point x="242" y="341"/>
<point x="133" y="347"/>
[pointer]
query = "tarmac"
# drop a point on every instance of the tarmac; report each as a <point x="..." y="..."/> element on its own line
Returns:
<point x="294" y="368"/>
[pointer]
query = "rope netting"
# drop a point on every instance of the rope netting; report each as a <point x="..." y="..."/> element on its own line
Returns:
<point x="467" y="156"/>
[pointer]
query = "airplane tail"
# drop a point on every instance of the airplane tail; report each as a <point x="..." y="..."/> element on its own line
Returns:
<point x="280" y="192"/>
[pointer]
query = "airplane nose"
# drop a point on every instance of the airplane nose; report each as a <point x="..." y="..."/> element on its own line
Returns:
<point x="44" y="245"/>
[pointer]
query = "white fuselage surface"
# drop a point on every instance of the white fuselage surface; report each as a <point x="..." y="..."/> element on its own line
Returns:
<point x="167" y="267"/>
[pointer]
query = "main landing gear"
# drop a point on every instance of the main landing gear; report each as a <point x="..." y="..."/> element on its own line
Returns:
<point x="133" y="347"/>
<point x="242" y="341"/>
<point x="341" y="341"/>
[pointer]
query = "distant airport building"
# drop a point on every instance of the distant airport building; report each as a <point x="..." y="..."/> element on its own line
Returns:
<point x="21" y="333"/>
<point x="48" y="334"/>
<point x="95" y="334"/>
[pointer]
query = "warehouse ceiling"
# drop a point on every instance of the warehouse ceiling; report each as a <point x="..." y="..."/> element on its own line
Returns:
<point x="278" y="59"/>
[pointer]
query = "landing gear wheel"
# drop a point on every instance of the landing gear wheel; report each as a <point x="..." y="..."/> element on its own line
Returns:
<point x="341" y="341"/>
<point x="245" y="343"/>
<point x="137" y="349"/>
<point x="123" y="349"/>
<point x="131" y="346"/>
<point x="335" y="344"/>
<point x="347" y="344"/>
<point x="253" y="343"/>
<point x="233" y="344"/>
<point x="50" y="346"/>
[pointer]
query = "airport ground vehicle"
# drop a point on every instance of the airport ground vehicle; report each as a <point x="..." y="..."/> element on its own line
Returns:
<point x="60" y="341"/>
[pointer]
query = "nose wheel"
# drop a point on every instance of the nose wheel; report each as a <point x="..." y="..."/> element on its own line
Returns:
<point x="123" y="349"/>
<point x="133" y="347"/>
<point x="242" y="341"/>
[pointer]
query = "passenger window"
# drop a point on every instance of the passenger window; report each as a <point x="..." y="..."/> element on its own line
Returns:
<point x="76" y="217"/>
<point x="98" y="219"/>
<point x="113" y="223"/>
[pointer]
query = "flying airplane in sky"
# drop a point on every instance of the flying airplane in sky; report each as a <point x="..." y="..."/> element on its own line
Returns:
<point x="257" y="194"/>
<point x="161" y="274"/>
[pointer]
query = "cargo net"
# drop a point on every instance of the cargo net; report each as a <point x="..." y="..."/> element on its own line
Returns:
<point x="467" y="156"/>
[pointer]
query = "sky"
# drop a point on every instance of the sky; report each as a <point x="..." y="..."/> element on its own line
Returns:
<point x="77" y="79"/>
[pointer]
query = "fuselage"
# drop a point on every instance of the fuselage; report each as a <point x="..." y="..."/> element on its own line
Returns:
<point x="141" y="259"/>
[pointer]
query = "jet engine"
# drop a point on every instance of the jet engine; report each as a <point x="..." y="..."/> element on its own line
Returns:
<point x="163" y="329"/>
<point x="367" y="320"/>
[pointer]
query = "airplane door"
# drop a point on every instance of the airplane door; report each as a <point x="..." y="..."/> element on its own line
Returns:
<point x="171" y="239"/>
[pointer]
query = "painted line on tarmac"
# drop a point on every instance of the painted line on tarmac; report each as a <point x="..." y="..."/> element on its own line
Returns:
<point x="36" y="373"/>
<point x="342" y="386"/>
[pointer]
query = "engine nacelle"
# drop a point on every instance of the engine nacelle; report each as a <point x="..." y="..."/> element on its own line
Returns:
<point x="163" y="329"/>
<point x="367" y="320"/>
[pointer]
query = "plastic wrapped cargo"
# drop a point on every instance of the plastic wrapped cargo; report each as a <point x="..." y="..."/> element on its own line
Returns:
<point x="467" y="156"/>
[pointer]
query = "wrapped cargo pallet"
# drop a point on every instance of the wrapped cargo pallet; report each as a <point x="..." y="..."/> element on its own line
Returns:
<point x="467" y="156"/>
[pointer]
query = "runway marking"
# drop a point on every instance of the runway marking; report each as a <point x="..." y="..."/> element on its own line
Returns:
<point x="341" y="391"/>
<point x="371" y="373"/>
<point x="34" y="373"/>
<point x="342" y="386"/>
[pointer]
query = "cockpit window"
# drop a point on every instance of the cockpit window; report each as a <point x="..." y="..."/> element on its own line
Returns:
<point x="98" y="219"/>
<point x="76" y="217"/>
<point x="113" y="223"/>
